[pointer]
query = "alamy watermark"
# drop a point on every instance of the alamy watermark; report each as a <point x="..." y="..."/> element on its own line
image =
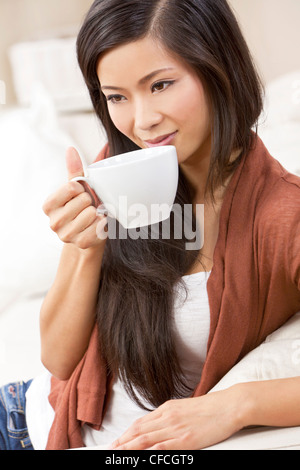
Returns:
<point x="2" y="92"/>
<point x="179" y="224"/>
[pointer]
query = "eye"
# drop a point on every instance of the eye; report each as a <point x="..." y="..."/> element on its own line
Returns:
<point x="161" y="86"/>
<point x="115" y="99"/>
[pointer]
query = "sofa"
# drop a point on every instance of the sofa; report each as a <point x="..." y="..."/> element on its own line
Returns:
<point x="34" y="137"/>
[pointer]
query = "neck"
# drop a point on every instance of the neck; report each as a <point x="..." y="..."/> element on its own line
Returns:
<point x="195" y="170"/>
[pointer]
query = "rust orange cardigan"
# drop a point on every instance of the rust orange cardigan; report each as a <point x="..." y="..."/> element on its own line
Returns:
<point x="253" y="289"/>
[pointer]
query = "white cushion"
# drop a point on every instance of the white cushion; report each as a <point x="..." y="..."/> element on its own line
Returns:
<point x="32" y="149"/>
<point x="262" y="438"/>
<point x="20" y="341"/>
<point x="52" y="62"/>
<point x="280" y="123"/>
<point x="278" y="357"/>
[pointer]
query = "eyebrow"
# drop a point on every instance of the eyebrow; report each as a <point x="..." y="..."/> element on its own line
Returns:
<point x="142" y="81"/>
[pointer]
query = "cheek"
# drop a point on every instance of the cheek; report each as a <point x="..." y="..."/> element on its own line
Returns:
<point x="121" y="118"/>
<point x="190" y="109"/>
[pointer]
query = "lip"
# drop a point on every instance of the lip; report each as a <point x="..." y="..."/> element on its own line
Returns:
<point x="161" y="140"/>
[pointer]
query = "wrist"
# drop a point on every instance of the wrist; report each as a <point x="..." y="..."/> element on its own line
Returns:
<point x="75" y="259"/>
<point x="243" y="397"/>
<point x="91" y="252"/>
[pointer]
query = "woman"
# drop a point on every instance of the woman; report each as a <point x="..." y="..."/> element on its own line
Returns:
<point x="136" y="332"/>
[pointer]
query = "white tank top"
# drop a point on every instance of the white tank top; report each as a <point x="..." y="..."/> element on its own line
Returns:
<point x="191" y="328"/>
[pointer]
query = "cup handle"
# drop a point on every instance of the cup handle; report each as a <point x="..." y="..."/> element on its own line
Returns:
<point x="84" y="179"/>
<point x="89" y="188"/>
<point x="81" y="178"/>
<point x="100" y="208"/>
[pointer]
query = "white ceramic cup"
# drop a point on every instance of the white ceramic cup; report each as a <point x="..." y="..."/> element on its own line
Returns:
<point x="137" y="188"/>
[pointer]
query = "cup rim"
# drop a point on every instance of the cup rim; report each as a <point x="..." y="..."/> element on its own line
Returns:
<point x="113" y="161"/>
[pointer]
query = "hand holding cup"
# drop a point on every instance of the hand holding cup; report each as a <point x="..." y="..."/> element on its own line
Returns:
<point x="72" y="209"/>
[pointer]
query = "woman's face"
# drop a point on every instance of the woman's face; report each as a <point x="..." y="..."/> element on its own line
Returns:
<point x="155" y="99"/>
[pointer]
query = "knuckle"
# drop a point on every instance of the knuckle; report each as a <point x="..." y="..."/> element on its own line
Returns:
<point x="66" y="238"/>
<point x="175" y="417"/>
<point x="160" y="446"/>
<point x="55" y="225"/>
<point x="70" y="191"/>
<point x="144" y="441"/>
<point x="73" y="189"/>
<point x="136" y="429"/>
<point x="90" y="212"/>
<point x="83" y="242"/>
<point x="47" y="206"/>
<point x="167" y="406"/>
<point x="85" y="198"/>
<point x="187" y="439"/>
<point x="67" y="235"/>
<point x="83" y="245"/>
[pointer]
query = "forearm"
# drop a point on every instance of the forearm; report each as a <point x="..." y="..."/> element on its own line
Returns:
<point x="68" y="312"/>
<point x="270" y="403"/>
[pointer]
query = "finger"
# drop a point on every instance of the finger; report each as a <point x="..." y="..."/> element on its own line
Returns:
<point x="171" y="444"/>
<point x="136" y="429"/>
<point x="62" y="196"/>
<point x="83" y="221"/>
<point x="88" y="237"/>
<point x="79" y="234"/>
<point x="90" y="219"/>
<point x="62" y="216"/>
<point x="143" y="426"/>
<point x="74" y="163"/>
<point x="75" y="206"/>
<point x="146" y="441"/>
<point x="75" y="169"/>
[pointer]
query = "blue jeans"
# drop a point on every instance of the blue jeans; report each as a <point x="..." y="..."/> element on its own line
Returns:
<point x="13" y="428"/>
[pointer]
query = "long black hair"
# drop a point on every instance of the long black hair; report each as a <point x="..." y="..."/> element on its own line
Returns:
<point x="135" y="307"/>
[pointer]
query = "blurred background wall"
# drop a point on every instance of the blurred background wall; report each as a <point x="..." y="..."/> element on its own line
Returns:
<point x="270" y="26"/>
<point x="26" y="20"/>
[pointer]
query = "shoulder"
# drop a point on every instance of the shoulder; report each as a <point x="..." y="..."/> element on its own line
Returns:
<point x="271" y="197"/>
<point x="277" y="226"/>
<point x="273" y="201"/>
<point x="275" y="190"/>
<point x="280" y="201"/>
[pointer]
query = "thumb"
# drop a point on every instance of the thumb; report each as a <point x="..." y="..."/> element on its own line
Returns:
<point x="74" y="164"/>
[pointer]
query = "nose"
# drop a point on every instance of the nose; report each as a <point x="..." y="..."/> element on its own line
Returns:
<point x="146" y="116"/>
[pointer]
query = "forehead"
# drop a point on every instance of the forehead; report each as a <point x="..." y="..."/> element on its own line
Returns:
<point x="135" y="60"/>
